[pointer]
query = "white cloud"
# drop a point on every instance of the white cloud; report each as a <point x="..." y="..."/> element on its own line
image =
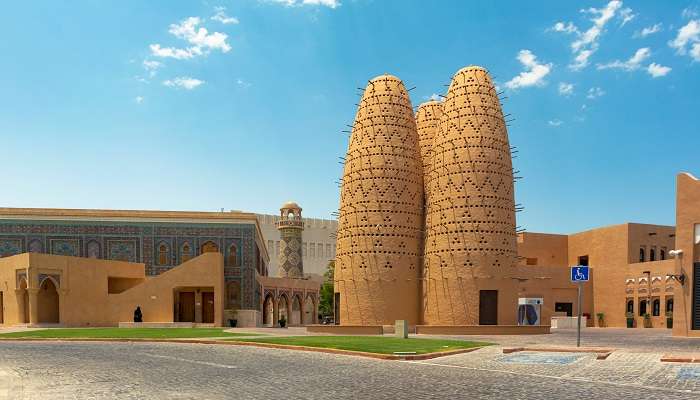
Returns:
<point x="433" y="97"/>
<point x="534" y="72"/>
<point x="222" y="17"/>
<point x="565" y="28"/>
<point x="630" y="65"/>
<point x="152" y="67"/>
<point x="626" y="15"/>
<point x="586" y="43"/>
<point x="656" y="70"/>
<point x="566" y="89"/>
<point x="138" y="99"/>
<point x="649" y="30"/>
<point x="241" y="82"/>
<point x="183" y="82"/>
<point x="326" y="3"/>
<point x="688" y="39"/>
<point x="690" y="12"/>
<point x="201" y="41"/>
<point x="555" y="122"/>
<point x="595" y="92"/>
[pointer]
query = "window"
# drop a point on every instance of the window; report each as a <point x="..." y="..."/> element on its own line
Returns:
<point x="312" y="250"/>
<point x="652" y="254"/>
<point x="186" y="252"/>
<point x="583" y="260"/>
<point x="531" y="261"/>
<point x="162" y="254"/>
<point x="641" y="254"/>
<point x="642" y="307"/>
<point x="662" y="253"/>
<point x="320" y="250"/>
<point x="328" y="251"/>
<point x="656" y="307"/>
<point x="233" y="255"/>
<point x="630" y="306"/>
<point x="669" y="305"/>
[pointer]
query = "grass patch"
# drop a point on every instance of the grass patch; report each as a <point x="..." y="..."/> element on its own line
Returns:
<point x="372" y="344"/>
<point x="124" y="333"/>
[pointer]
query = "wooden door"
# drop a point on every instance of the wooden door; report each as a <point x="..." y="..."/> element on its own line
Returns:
<point x="488" y="307"/>
<point x="696" y="297"/>
<point x="186" y="307"/>
<point x="207" y="307"/>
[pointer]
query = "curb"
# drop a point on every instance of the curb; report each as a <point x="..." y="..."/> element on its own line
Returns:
<point x="378" y="356"/>
<point x="601" y="354"/>
<point x="679" y="359"/>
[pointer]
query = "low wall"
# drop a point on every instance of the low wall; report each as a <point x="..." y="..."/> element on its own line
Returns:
<point x="156" y="325"/>
<point x="568" y="322"/>
<point x="481" y="330"/>
<point x="346" y="329"/>
<point x="246" y="318"/>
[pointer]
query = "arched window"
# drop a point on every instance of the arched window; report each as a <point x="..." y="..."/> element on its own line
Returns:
<point x="186" y="252"/>
<point x="669" y="305"/>
<point x="641" y="254"/>
<point x="662" y="254"/>
<point x="656" y="307"/>
<point x="210" y="247"/>
<point x="233" y="255"/>
<point x="163" y="255"/>
<point x="642" y="307"/>
<point x="630" y="306"/>
<point x="652" y="254"/>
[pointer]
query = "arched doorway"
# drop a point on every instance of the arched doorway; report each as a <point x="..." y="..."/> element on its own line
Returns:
<point x="233" y="294"/>
<point x="47" y="302"/>
<point x="309" y="311"/>
<point x="283" y="307"/>
<point x="296" y="317"/>
<point x="210" y="247"/>
<point x="269" y="311"/>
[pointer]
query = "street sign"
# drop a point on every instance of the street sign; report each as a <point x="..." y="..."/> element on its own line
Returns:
<point x="579" y="273"/>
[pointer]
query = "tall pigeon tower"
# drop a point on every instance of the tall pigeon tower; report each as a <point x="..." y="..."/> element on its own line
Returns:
<point x="470" y="242"/>
<point x="381" y="212"/>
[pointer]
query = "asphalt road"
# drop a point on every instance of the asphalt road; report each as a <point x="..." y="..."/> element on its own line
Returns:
<point x="41" y="370"/>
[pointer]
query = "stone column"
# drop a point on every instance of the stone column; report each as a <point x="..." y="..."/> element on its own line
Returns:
<point x="198" y="306"/>
<point x="33" y="305"/>
<point x="275" y="312"/>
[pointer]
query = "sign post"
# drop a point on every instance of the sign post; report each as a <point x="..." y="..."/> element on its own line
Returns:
<point x="579" y="275"/>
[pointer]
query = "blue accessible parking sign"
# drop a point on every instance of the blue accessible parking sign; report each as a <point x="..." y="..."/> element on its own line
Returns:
<point x="579" y="273"/>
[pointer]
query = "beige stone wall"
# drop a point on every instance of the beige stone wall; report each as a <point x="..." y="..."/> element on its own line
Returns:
<point x="543" y="249"/>
<point x="470" y="218"/>
<point x="427" y="120"/>
<point x="687" y="216"/>
<point x="381" y="211"/>
<point x="83" y="288"/>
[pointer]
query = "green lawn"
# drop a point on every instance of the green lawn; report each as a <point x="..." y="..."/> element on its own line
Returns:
<point x="124" y="333"/>
<point x="371" y="344"/>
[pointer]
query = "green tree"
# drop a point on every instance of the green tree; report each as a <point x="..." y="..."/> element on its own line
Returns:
<point x="325" y="306"/>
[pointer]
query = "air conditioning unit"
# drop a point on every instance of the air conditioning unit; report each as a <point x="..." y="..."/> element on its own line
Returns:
<point x="529" y="310"/>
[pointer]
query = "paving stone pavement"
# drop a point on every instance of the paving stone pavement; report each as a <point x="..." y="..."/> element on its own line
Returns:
<point x="82" y="370"/>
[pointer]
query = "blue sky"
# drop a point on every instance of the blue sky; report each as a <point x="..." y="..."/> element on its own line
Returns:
<point x="202" y="105"/>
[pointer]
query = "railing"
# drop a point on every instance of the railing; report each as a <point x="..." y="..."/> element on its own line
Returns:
<point x="290" y="223"/>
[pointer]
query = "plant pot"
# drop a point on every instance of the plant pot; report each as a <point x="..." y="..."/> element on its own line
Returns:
<point x="232" y="323"/>
<point x="630" y="322"/>
<point x="282" y="323"/>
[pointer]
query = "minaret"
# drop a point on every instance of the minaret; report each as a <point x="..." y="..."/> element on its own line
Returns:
<point x="291" y="227"/>
<point x="470" y="243"/>
<point x="381" y="211"/>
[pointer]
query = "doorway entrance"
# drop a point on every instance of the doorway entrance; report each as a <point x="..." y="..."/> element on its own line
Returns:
<point x="47" y="302"/>
<point x="2" y="316"/>
<point x="207" y="307"/>
<point x="186" y="312"/>
<point x="488" y="307"/>
<point x="568" y="308"/>
<point x="696" y="296"/>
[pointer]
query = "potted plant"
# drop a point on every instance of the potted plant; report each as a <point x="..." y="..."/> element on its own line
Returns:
<point x="630" y="320"/>
<point x="232" y="323"/>
<point x="601" y="319"/>
<point x="647" y="320"/>
<point x="669" y="319"/>
<point x="283" y="322"/>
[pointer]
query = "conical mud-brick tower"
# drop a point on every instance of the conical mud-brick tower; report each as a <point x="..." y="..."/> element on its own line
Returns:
<point x="381" y="212"/>
<point x="470" y="241"/>
<point x="427" y="119"/>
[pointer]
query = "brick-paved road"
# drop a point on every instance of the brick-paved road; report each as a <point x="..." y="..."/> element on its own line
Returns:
<point x="32" y="370"/>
